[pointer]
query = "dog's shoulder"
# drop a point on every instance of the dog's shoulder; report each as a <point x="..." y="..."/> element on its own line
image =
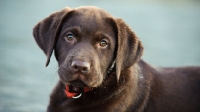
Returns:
<point x="174" y="86"/>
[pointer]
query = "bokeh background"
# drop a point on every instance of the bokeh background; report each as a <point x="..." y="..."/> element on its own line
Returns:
<point x="169" y="30"/>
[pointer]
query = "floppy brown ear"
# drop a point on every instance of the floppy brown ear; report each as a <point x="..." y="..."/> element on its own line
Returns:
<point x="45" y="32"/>
<point x="130" y="48"/>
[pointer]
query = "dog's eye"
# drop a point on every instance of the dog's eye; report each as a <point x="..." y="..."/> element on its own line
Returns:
<point x="70" y="36"/>
<point x="103" y="43"/>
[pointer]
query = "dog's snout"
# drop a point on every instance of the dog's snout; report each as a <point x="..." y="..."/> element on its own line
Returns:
<point x="80" y="66"/>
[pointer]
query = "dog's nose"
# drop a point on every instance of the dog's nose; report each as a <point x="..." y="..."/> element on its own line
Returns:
<point x="80" y="66"/>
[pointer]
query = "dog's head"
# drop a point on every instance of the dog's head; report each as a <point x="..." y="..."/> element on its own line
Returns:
<point x="86" y="42"/>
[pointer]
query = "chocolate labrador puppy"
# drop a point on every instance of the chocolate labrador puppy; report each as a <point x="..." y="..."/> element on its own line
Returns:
<point x="100" y="68"/>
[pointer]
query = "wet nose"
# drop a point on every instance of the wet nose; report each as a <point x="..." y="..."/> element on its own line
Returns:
<point x="80" y="66"/>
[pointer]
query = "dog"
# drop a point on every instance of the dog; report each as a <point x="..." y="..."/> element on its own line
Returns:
<point x="101" y="70"/>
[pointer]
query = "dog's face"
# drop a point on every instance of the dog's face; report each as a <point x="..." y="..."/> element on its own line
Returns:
<point x="86" y="41"/>
<point x="85" y="48"/>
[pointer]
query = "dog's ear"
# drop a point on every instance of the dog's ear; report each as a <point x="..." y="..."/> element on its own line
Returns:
<point x="45" y="32"/>
<point x="129" y="50"/>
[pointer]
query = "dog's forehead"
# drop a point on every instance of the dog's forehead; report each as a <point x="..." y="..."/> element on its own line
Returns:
<point x="89" y="18"/>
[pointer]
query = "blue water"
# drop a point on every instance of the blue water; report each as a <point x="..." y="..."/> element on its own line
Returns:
<point x="170" y="32"/>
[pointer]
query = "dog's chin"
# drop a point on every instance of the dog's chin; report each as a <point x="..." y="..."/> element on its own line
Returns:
<point x="78" y="80"/>
<point x="75" y="83"/>
<point x="81" y="84"/>
<point x="78" y="83"/>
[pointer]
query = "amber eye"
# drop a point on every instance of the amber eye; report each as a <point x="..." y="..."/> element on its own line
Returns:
<point x="70" y="36"/>
<point x="103" y="43"/>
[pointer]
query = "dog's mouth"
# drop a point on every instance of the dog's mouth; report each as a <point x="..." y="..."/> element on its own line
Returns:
<point x="76" y="88"/>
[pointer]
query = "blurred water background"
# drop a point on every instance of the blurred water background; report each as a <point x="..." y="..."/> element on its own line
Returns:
<point x="169" y="30"/>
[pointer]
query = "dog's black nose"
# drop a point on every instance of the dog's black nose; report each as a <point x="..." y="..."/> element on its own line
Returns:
<point x="80" y="66"/>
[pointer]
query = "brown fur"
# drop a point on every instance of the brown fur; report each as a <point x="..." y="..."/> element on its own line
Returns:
<point x="133" y="86"/>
